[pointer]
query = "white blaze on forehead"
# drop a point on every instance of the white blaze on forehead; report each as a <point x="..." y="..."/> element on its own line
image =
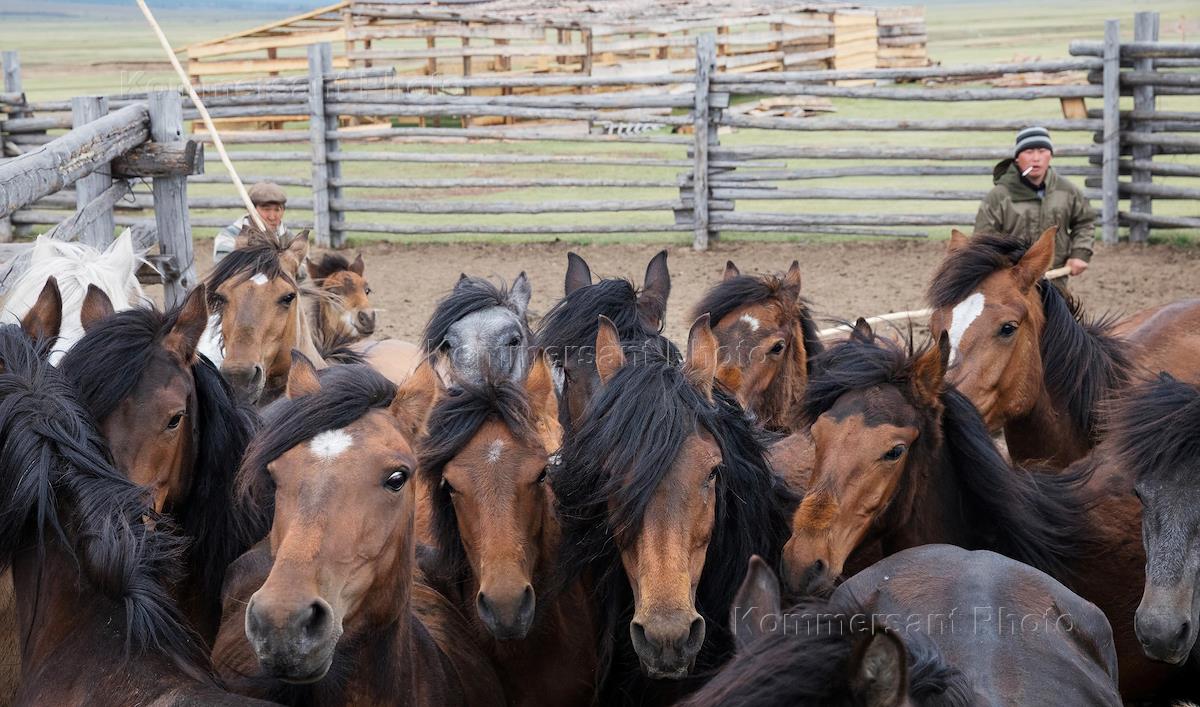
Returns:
<point x="330" y="444"/>
<point x="260" y="279"/>
<point x="494" y="451"/>
<point x="750" y="321"/>
<point x="961" y="317"/>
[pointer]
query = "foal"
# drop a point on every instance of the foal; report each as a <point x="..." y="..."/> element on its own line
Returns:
<point x="488" y="456"/>
<point x="339" y="619"/>
<point x="345" y="315"/>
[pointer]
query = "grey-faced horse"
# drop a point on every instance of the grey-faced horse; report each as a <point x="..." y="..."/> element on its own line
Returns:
<point x="481" y="326"/>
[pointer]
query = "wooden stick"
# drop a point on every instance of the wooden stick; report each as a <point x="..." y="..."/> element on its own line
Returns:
<point x="919" y="313"/>
<point x="208" y="121"/>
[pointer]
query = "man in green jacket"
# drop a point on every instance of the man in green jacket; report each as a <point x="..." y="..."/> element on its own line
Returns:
<point x="1030" y="197"/>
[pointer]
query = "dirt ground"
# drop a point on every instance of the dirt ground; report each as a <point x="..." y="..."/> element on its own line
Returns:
<point x="843" y="280"/>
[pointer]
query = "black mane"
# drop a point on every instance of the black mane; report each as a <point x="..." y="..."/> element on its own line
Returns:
<point x="453" y="423"/>
<point x="1155" y="430"/>
<point x="1083" y="361"/>
<point x="808" y="665"/>
<point x="329" y="264"/>
<point x="106" y="366"/>
<point x="634" y="429"/>
<point x="470" y="295"/>
<point x="57" y="483"/>
<point x="1036" y="518"/>
<point x="571" y="324"/>
<point x="258" y="257"/>
<point x="744" y="290"/>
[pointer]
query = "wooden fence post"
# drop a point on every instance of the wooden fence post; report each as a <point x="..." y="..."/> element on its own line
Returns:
<point x="322" y="225"/>
<point x="9" y="59"/>
<point x="1111" y="147"/>
<point x="99" y="233"/>
<point x="706" y="59"/>
<point x="1145" y="29"/>
<point x="12" y="79"/>
<point x="171" y="217"/>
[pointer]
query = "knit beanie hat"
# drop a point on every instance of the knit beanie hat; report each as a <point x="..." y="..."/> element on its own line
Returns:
<point x="1030" y="138"/>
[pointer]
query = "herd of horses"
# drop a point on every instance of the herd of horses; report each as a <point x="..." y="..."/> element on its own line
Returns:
<point x="248" y="500"/>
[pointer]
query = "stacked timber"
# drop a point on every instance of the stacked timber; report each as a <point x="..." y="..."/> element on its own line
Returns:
<point x="902" y="37"/>
<point x="854" y="41"/>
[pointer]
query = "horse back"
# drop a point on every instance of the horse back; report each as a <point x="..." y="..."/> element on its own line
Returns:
<point x="1166" y="338"/>
<point x="442" y="630"/>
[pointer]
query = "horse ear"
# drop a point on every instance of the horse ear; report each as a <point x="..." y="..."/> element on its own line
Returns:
<point x="184" y="337"/>
<point x="756" y="606"/>
<point x="862" y="331"/>
<point x="1036" y="260"/>
<point x="358" y="267"/>
<point x="298" y="247"/>
<point x="539" y="387"/>
<point x="520" y="294"/>
<point x="656" y="288"/>
<point x="609" y="354"/>
<point x="244" y="236"/>
<point x="415" y="399"/>
<point x="44" y="318"/>
<point x="791" y="279"/>
<point x="879" y="670"/>
<point x="578" y="274"/>
<point x="120" y="256"/>
<point x="702" y="348"/>
<point x="929" y="371"/>
<point x="731" y="271"/>
<point x="96" y="306"/>
<point x="958" y="240"/>
<point x="302" y="377"/>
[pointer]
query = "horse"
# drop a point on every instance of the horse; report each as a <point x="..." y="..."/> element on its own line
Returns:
<point x="1015" y="634"/>
<point x="821" y="654"/>
<point x="90" y="559"/>
<point x="326" y="610"/>
<point x="1029" y="359"/>
<point x="481" y="327"/>
<point x="767" y="335"/>
<point x="345" y="316"/>
<point x="487" y="457"/>
<point x="75" y="266"/>
<point x="1155" y="431"/>
<point x="905" y="459"/>
<point x="663" y="495"/>
<point x="174" y="428"/>
<point x="568" y="331"/>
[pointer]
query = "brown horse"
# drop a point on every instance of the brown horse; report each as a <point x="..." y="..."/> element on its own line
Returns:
<point x="339" y="619"/>
<point x="1030" y="361"/>
<point x="822" y="654"/>
<point x="904" y="459"/>
<point x="664" y="494"/>
<point x="89" y="556"/>
<point x="488" y="456"/>
<point x="766" y="336"/>
<point x="1017" y="636"/>
<point x="345" y="315"/>
<point x="174" y="428"/>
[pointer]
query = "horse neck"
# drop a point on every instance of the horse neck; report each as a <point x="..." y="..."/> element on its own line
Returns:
<point x="1045" y="435"/>
<point x="928" y="508"/>
<point x="304" y="334"/>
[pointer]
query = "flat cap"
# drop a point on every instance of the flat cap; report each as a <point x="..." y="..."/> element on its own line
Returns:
<point x="267" y="193"/>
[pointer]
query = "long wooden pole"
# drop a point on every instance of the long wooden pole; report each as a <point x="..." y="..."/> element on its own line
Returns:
<point x="208" y="121"/>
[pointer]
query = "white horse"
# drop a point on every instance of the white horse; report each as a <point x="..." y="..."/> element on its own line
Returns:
<point x="76" y="266"/>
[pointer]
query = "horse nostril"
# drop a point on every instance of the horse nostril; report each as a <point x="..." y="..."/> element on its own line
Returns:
<point x="695" y="637"/>
<point x="1183" y="632"/>
<point x="637" y="632"/>
<point x="314" y="621"/>
<point x="256" y="375"/>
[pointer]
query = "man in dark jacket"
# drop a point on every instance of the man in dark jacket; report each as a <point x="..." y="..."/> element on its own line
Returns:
<point x="1030" y="197"/>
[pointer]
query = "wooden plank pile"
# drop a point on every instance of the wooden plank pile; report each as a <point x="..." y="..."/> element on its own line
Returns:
<point x="902" y="37"/>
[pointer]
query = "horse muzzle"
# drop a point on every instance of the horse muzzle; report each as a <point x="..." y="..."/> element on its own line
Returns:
<point x="1165" y="627"/>
<point x="295" y="645"/>
<point x="667" y="644"/>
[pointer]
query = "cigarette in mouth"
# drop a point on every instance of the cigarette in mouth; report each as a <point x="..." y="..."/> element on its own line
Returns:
<point x="1027" y="171"/>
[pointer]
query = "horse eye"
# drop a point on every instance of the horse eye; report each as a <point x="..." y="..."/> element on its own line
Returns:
<point x="515" y="341"/>
<point x="777" y="348"/>
<point x="395" y="480"/>
<point x="895" y="453"/>
<point x="217" y="300"/>
<point x="287" y="299"/>
<point x="176" y="420"/>
<point x="446" y="485"/>
<point x="366" y="290"/>
<point x="541" y="479"/>
<point x="712" y="474"/>
<point x="1007" y="329"/>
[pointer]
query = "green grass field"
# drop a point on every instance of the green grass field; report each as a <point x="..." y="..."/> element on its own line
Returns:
<point x="109" y="49"/>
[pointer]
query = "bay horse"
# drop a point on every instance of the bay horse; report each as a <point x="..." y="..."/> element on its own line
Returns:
<point x="345" y="316"/>
<point x="824" y="654"/>
<point x="767" y="335"/>
<point x="329" y="612"/>
<point x="75" y="267"/>
<point x="664" y="494"/>
<point x="488" y="457"/>
<point x="90" y="558"/>
<point x="1016" y="635"/>
<point x="903" y="458"/>
<point x="1029" y="359"/>
<point x="173" y="427"/>
<point x="480" y="326"/>
<point x="567" y="333"/>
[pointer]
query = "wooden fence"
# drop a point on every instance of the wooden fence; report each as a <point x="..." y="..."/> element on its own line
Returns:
<point x="100" y="156"/>
<point x="675" y="153"/>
